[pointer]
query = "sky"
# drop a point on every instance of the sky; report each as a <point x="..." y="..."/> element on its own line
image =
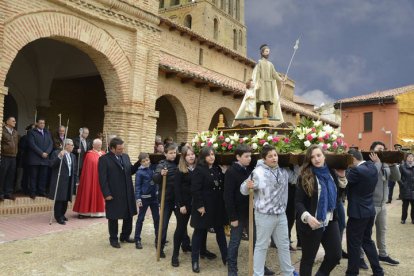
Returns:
<point x="347" y="47"/>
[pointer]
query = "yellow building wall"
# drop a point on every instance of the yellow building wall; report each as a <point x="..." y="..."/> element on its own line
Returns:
<point x="406" y="118"/>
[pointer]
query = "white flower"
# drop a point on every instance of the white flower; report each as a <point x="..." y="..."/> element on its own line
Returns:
<point x="328" y="128"/>
<point x="328" y="145"/>
<point x="227" y="139"/>
<point x="301" y="136"/>
<point x="265" y="143"/>
<point x="260" y="134"/>
<point x="255" y="139"/>
<point x="254" y="146"/>
<point x="341" y="135"/>
<point x="317" y="123"/>
<point x="203" y="144"/>
<point x="232" y="142"/>
<point x="193" y="144"/>
<point x="269" y="138"/>
<point x="334" y="136"/>
<point x="314" y="135"/>
<point x="307" y="143"/>
<point x="322" y="134"/>
<point x="235" y="136"/>
<point x="215" y="145"/>
<point x="321" y="144"/>
<point x="245" y="139"/>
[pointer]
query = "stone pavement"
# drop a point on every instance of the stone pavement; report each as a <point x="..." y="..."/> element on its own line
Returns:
<point x="29" y="246"/>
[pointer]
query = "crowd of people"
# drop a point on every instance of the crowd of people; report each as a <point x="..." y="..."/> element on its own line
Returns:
<point x="209" y="197"/>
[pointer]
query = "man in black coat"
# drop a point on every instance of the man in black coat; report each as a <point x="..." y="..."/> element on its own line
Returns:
<point x="40" y="146"/>
<point x="362" y="179"/>
<point x="82" y="145"/>
<point x="61" y="192"/>
<point x="115" y="177"/>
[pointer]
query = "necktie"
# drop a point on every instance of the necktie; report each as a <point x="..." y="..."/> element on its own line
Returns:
<point x="120" y="161"/>
<point x="69" y="160"/>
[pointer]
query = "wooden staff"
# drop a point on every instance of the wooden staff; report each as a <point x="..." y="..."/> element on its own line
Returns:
<point x="35" y="116"/>
<point x="60" y="169"/>
<point x="164" y="186"/>
<point x="251" y="230"/>
<point x="60" y="119"/>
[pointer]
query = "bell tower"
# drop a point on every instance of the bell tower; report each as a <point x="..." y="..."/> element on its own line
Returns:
<point x="221" y="21"/>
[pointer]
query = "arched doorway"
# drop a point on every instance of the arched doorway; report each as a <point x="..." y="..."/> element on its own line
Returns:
<point x="228" y="117"/>
<point x="10" y="107"/>
<point x="172" y="120"/>
<point x="50" y="77"/>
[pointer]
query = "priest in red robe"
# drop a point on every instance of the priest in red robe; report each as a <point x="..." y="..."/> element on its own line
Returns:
<point x="89" y="199"/>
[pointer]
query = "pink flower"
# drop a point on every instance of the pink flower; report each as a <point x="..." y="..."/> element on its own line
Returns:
<point x="286" y="140"/>
<point x="320" y="139"/>
<point x="261" y="142"/>
<point x="209" y="144"/>
<point x="345" y="145"/>
<point x="325" y="147"/>
<point x="199" y="144"/>
<point x="335" y="145"/>
<point x="241" y="141"/>
<point x="221" y="137"/>
<point x="224" y="144"/>
<point x="309" y="137"/>
<point x="313" y="129"/>
<point x="327" y="136"/>
<point x="230" y="146"/>
<point x="339" y="141"/>
<point x="275" y="139"/>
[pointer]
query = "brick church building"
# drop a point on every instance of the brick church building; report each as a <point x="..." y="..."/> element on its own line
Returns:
<point x="134" y="68"/>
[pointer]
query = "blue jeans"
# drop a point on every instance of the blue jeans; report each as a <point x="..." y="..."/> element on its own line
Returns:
<point x="234" y="243"/>
<point x="153" y="204"/>
<point x="272" y="226"/>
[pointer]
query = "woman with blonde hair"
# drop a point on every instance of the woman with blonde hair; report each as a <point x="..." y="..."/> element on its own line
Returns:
<point x="315" y="202"/>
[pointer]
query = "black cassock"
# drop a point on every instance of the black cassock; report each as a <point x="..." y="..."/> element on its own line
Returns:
<point x="66" y="183"/>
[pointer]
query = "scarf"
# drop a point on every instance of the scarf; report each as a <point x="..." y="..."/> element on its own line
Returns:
<point x="327" y="197"/>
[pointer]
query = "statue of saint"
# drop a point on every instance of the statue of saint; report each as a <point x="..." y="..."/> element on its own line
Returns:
<point x="263" y="89"/>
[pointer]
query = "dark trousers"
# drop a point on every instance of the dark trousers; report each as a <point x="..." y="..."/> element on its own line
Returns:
<point x="7" y="175"/>
<point x="331" y="242"/>
<point x="290" y="208"/>
<point x="113" y="229"/>
<point x="391" y="185"/>
<point x="199" y="240"/>
<point x="26" y="179"/>
<point x="151" y="203"/>
<point x="358" y="233"/>
<point x="168" y="210"/>
<point x="234" y="243"/>
<point x="38" y="179"/>
<point x="60" y="209"/>
<point x="341" y="218"/>
<point x="405" y="204"/>
<point x="180" y="233"/>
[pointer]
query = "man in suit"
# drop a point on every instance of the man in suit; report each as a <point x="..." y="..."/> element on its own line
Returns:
<point x="115" y="177"/>
<point x="40" y="146"/>
<point x="82" y="145"/>
<point x="362" y="179"/>
<point x="61" y="192"/>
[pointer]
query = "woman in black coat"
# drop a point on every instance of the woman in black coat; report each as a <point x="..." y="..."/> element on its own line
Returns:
<point x="407" y="187"/>
<point x="207" y="184"/>
<point x="315" y="201"/>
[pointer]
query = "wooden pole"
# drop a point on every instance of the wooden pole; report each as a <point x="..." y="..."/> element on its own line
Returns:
<point x="251" y="230"/>
<point x="164" y="185"/>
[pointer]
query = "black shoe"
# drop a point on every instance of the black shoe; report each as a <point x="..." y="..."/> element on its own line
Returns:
<point x="186" y="248"/>
<point x="32" y="196"/>
<point x="61" y="221"/>
<point x="388" y="260"/>
<point x="268" y="272"/>
<point x="162" y="254"/>
<point x="175" y="262"/>
<point x="81" y="216"/>
<point x="209" y="255"/>
<point x="42" y="195"/>
<point x="196" y="267"/>
<point x="344" y="255"/>
<point x="245" y="236"/>
<point x="211" y="230"/>
<point x="363" y="264"/>
<point x="115" y="244"/>
<point x="11" y="197"/>
<point x="403" y="222"/>
<point x="128" y="240"/>
<point x="65" y="218"/>
<point x="138" y="245"/>
<point x="388" y="202"/>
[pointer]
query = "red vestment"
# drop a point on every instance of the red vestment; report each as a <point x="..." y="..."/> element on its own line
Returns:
<point x="89" y="199"/>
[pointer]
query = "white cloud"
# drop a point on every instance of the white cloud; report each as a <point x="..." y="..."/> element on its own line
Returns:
<point x="317" y="97"/>
<point x="270" y="13"/>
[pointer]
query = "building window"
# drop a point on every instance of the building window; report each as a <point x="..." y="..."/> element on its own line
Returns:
<point x="188" y="21"/>
<point x="216" y="32"/>
<point x="234" y="39"/>
<point x="201" y="57"/>
<point x="175" y="2"/>
<point x="162" y="4"/>
<point x="222" y="4"/>
<point x="245" y="75"/>
<point x="368" y="121"/>
<point x="231" y="7"/>
<point x="240" y="38"/>
<point x="238" y="9"/>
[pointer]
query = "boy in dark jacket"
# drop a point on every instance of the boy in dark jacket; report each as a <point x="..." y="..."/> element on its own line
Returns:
<point x="146" y="196"/>
<point x="237" y="205"/>
<point x="167" y="167"/>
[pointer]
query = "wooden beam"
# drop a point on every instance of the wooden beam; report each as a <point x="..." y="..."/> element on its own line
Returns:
<point x="172" y="28"/>
<point x="200" y="84"/>
<point x="238" y="96"/>
<point x="186" y="80"/>
<point x="227" y="92"/>
<point x="214" y="88"/>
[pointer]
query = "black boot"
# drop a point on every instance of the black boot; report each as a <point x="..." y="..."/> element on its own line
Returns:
<point x="196" y="267"/>
<point x="174" y="261"/>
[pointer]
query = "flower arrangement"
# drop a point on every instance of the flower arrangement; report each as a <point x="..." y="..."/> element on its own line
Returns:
<point x="316" y="133"/>
<point x="307" y="133"/>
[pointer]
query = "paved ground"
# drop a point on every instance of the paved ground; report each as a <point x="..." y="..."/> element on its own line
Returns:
<point x="30" y="246"/>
